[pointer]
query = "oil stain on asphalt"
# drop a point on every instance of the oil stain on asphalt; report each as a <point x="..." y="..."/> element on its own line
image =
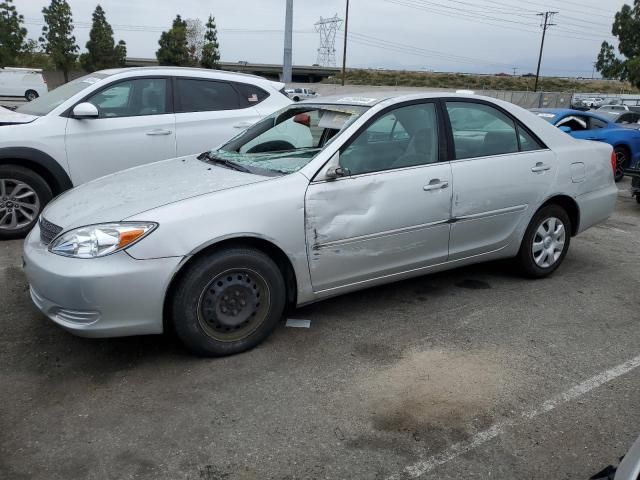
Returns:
<point x="436" y="396"/>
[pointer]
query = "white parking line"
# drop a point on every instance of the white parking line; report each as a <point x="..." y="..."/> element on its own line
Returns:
<point x="424" y="466"/>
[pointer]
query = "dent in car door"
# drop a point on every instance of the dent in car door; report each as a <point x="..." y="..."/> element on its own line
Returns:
<point x="392" y="214"/>
<point x="375" y="225"/>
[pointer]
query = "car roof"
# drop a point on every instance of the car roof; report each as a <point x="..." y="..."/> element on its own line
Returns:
<point x="371" y="98"/>
<point x="182" y="71"/>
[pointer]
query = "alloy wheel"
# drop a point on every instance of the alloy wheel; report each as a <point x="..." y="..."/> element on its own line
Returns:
<point x="19" y="204"/>
<point x="621" y="161"/>
<point x="548" y="242"/>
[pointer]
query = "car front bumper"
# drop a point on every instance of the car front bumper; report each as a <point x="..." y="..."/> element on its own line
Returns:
<point x="111" y="296"/>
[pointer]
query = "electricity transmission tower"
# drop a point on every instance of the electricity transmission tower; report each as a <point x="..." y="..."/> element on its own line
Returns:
<point x="327" y="28"/>
<point x="546" y="23"/>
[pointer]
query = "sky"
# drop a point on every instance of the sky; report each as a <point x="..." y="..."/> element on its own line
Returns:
<point x="474" y="36"/>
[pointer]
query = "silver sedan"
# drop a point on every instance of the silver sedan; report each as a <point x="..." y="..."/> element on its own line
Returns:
<point x="319" y="199"/>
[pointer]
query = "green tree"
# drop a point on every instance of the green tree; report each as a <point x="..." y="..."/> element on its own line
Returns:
<point x="12" y="34"/>
<point x="211" y="48"/>
<point x="174" y="46"/>
<point x="57" y="36"/>
<point x="101" y="49"/>
<point x="626" y="27"/>
<point x="32" y="56"/>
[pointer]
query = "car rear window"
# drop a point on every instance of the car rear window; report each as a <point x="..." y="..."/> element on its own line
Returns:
<point x="206" y="96"/>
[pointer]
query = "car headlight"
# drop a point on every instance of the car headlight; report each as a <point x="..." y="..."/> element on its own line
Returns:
<point x="100" y="240"/>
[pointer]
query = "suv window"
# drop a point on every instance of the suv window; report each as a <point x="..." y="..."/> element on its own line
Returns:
<point x="404" y="137"/>
<point x="481" y="130"/>
<point x="250" y="94"/>
<point x="131" y="98"/>
<point x="206" y="96"/>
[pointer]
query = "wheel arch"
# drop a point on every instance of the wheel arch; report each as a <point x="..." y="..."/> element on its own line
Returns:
<point x="570" y="206"/>
<point x="267" y="247"/>
<point x="41" y="163"/>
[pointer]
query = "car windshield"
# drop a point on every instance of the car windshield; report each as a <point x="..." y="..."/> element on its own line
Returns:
<point x="287" y="140"/>
<point x="44" y="104"/>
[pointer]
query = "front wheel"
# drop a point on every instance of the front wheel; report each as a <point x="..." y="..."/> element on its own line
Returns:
<point x="228" y="302"/>
<point x="546" y="242"/>
<point x="622" y="158"/>
<point x="23" y="195"/>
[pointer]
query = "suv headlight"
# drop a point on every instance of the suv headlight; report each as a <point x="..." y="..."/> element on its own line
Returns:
<point x="99" y="240"/>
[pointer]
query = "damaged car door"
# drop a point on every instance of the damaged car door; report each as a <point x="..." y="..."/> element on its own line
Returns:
<point x="385" y="207"/>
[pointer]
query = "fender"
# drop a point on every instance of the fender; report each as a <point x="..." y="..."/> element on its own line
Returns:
<point x="41" y="163"/>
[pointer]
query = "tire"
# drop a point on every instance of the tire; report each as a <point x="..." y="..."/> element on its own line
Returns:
<point x="228" y="302"/>
<point x="30" y="190"/>
<point x="638" y="198"/>
<point x="296" y="99"/>
<point x="622" y="156"/>
<point x="533" y="265"/>
<point x="31" y="95"/>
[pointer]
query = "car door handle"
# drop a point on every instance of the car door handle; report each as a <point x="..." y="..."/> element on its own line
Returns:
<point x="243" y="125"/>
<point x="540" y="167"/>
<point x="158" y="131"/>
<point x="435" y="184"/>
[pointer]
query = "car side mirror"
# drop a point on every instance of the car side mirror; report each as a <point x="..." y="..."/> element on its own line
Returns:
<point x="85" y="110"/>
<point x="565" y="129"/>
<point x="337" y="172"/>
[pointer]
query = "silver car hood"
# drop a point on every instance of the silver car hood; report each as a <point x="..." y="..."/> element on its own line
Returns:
<point x="9" y="117"/>
<point x="136" y="190"/>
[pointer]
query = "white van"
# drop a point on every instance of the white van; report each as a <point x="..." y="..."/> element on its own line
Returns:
<point x="22" y="82"/>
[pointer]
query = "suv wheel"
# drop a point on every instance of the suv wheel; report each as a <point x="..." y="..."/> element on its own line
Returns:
<point x="31" y="95"/>
<point x="546" y="242"/>
<point x="228" y="302"/>
<point x="23" y="195"/>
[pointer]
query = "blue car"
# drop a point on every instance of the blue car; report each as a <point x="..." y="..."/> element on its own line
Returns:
<point x="587" y="126"/>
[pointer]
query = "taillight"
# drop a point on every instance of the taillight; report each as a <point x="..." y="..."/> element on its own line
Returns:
<point x="303" y="119"/>
<point x="614" y="162"/>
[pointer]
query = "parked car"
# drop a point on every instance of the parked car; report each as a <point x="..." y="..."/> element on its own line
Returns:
<point x="382" y="189"/>
<point x="617" y="108"/>
<point x="297" y="94"/>
<point x="593" y="102"/>
<point x="628" y="469"/>
<point x="635" y="182"/>
<point x="588" y="126"/>
<point x="628" y="118"/>
<point x="22" y="82"/>
<point x="115" y="119"/>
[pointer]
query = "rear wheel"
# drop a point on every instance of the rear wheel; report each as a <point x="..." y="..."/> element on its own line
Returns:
<point x="23" y="195"/>
<point x="546" y="242"/>
<point x="228" y="302"/>
<point x="296" y="99"/>
<point x="31" y="95"/>
<point x="622" y="159"/>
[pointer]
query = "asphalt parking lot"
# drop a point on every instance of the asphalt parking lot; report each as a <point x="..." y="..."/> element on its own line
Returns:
<point x="474" y="373"/>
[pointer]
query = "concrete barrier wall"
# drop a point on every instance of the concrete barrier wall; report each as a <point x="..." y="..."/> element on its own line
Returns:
<point x="523" y="99"/>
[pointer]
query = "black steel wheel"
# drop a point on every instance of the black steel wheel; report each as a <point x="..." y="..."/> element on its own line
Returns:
<point x="228" y="301"/>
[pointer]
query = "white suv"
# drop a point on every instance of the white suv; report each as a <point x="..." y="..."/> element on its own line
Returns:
<point x="116" y="119"/>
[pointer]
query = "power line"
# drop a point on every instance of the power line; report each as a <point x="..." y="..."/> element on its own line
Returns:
<point x="475" y="20"/>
